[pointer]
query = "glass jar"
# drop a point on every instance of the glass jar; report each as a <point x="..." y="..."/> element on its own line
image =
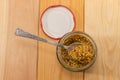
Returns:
<point x="62" y="41"/>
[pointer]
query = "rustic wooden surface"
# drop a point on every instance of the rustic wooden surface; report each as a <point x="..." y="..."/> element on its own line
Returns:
<point x="18" y="56"/>
<point x="102" y="22"/>
<point x="48" y="65"/>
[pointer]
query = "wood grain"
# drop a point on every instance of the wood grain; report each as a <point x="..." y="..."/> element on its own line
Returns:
<point x="3" y="41"/>
<point x="102" y="22"/>
<point x="18" y="56"/>
<point x="48" y="65"/>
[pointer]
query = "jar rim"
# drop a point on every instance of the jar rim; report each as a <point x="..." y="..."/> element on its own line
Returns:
<point x="62" y="62"/>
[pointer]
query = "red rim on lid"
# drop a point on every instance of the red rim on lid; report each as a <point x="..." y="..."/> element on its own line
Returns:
<point x="56" y="21"/>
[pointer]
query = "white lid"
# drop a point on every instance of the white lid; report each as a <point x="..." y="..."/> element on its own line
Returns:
<point x="57" y="21"/>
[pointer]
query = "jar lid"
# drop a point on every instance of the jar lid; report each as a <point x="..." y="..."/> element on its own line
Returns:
<point x="57" y="21"/>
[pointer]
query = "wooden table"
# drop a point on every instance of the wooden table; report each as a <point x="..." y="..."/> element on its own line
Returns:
<point x="19" y="56"/>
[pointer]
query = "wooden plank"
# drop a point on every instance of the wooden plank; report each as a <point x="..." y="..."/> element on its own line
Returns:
<point x="3" y="34"/>
<point x="102" y="22"/>
<point x="48" y="65"/>
<point x="18" y="56"/>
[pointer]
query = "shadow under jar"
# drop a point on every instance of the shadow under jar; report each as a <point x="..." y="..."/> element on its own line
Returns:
<point x="87" y="50"/>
